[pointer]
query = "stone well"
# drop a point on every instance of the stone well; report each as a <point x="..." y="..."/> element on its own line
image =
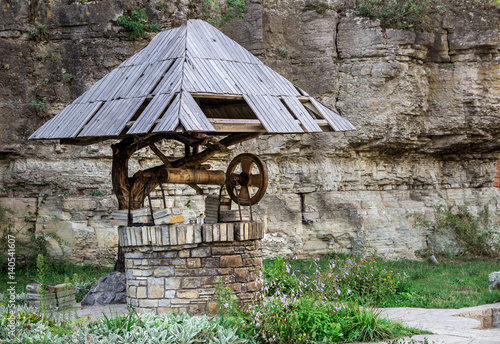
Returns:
<point x="174" y="268"/>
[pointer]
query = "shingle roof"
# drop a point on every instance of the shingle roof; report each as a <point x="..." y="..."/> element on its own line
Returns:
<point x="192" y="78"/>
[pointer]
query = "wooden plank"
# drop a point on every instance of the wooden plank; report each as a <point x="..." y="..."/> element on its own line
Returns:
<point x="191" y="115"/>
<point x="127" y="82"/>
<point x="151" y="113"/>
<point x="170" y="119"/>
<point x="111" y="119"/>
<point x="231" y="87"/>
<point x="171" y="82"/>
<point x="148" y="79"/>
<point x="281" y="114"/>
<point x="301" y="114"/>
<point x="273" y="115"/>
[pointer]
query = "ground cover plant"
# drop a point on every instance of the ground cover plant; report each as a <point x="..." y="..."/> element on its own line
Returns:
<point x="381" y="282"/>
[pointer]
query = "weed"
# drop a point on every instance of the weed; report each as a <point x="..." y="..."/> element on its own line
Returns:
<point x="35" y="74"/>
<point x="39" y="105"/>
<point x="96" y="193"/>
<point x="137" y="24"/>
<point x="162" y="6"/>
<point x="67" y="77"/>
<point x="55" y="58"/>
<point x="42" y="57"/>
<point x="38" y="31"/>
<point x="284" y="53"/>
<point x="219" y="15"/>
<point x="398" y="14"/>
<point x="6" y="66"/>
<point x="473" y="233"/>
<point x="84" y="51"/>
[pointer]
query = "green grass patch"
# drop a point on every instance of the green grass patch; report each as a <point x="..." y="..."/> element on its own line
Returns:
<point x="373" y="280"/>
<point x="57" y="272"/>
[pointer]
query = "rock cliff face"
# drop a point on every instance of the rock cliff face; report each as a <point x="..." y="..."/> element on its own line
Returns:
<point x="426" y="105"/>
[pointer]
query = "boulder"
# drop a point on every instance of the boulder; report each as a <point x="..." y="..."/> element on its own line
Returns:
<point x="110" y="288"/>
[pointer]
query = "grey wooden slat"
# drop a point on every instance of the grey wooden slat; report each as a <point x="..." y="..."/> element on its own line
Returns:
<point x="301" y="114"/>
<point x="127" y="81"/>
<point x="213" y="76"/>
<point x="172" y="48"/>
<point x="112" y="118"/>
<point x="285" y="87"/>
<point x="110" y="85"/>
<point x="196" y="76"/>
<point x="91" y="94"/>
<point x="69" y="128"/>
<point x="47" y="127"/>
<point x="199" y="43"/>
<point x="150" y="114"/>
<point x="147" y="80"/>
<point x="63" y="126"/>
<point x="337" y="122"/>
<point x="273" y="115"/>
<point x="171" y="79"/>
<point x="261" y="114"/>
<point x="231" y="87"/>
<point x="192" y="113"/>
<point x="249" y="84"/>
<point x="68" y="122"/>
<point x="191" y="78"/>
<point x="283" y="119"/>
<point x="170" y="120"/>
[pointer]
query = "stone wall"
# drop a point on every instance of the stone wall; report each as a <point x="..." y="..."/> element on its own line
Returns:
<point x="426" y="105"/>
<point x="175" y="268"/>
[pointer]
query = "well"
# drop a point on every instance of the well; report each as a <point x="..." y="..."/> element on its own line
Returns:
<point x="174" y="268"/>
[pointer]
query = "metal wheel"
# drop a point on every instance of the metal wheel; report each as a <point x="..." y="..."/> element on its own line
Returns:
<point x="246" y="179"/>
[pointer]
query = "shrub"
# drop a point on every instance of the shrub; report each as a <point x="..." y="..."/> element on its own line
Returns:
<point x="473" y="233"/>
<point x="137" y="24"/>
<point x="397" y="14"/>
<point x="221" y="14"/>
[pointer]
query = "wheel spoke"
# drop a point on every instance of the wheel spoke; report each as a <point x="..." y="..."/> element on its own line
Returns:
<point x="246" y="165"/>
<point x="244" y="193"/>
<point x="255" y="180"/>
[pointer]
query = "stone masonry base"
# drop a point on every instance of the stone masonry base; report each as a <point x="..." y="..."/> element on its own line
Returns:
<point x="181" y="278"/>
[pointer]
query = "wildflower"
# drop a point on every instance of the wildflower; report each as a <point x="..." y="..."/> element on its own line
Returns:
<point x="304" y="334"/>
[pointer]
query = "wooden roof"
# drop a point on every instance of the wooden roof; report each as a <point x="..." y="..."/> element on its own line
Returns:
<point x="192" y="78"/>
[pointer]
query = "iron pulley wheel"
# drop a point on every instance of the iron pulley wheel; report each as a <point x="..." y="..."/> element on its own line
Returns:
<point x="246" y="179"/>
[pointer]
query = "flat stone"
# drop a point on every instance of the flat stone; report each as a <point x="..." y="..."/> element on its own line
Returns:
<point x="231" y="261"/>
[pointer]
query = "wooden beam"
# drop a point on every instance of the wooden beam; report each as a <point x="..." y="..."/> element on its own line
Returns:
<point x="160" y="155"/>
<point x="232" y="96"/>
<point x="83" y="142"/>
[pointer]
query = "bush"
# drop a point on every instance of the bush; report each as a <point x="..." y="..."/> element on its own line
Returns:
<point x="137" y="24"/>
<point x="473" y="233"/>
<point x="397" y="14"/>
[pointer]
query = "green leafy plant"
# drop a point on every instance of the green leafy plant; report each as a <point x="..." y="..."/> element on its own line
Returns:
<point x="39" y="105"/>
<point x="398" y="14"/>
<point x="42" y="57"/>
<point x="84" y="51"/>
<point x="67" y="77"/>
<point x="6" y="66"/>
<point x="284" y="53"/>
<point x="38" y="31"/>
<point x="96" y="193"/>
<point x="222" y="12"/>
<point x="137" y="24"/>
<point x="473" y="233"/>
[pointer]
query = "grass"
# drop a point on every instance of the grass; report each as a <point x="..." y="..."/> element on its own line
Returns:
<point x="59" y="270"/>
<point x="454" y="283"/>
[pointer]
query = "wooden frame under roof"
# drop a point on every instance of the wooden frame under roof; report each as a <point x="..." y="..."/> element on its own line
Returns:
<point x="191" y="79"/>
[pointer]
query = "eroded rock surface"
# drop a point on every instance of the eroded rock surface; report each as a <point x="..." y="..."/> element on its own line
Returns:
<point x="426" y="105"/>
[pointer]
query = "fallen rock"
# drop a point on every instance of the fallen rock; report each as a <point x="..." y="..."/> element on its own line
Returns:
<point x="110" y="288"/>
